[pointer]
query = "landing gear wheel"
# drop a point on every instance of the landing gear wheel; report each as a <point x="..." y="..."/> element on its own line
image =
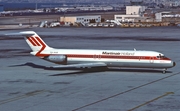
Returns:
<point x="164" y="71"/>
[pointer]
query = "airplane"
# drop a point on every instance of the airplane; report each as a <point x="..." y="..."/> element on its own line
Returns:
<point x="87" y="59"/>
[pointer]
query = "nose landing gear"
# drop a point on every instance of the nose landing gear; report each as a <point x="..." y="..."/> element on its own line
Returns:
<point x="164" y="70"/>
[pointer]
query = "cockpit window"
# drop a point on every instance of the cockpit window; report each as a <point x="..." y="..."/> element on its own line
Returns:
<point x="161" y="57"/>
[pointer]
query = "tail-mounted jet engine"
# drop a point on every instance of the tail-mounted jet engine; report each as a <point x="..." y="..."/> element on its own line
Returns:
<point x="58" y="59"/>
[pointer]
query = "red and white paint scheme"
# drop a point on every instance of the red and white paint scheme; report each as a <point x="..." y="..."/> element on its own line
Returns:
<point x="85" y="58"/>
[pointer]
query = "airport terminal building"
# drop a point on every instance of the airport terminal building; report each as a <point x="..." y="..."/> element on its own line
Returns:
<point x="132" y="13"/>
<point x="81" y="19"/>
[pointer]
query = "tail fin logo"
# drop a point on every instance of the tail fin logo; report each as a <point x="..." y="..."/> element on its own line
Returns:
<point x="36" y="41"/>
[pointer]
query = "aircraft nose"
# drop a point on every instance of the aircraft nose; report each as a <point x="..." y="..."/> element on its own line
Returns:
<point x="174" y="64"/>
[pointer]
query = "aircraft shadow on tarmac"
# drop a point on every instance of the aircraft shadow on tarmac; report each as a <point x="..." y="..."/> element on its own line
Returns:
<point x="83" y="71"/>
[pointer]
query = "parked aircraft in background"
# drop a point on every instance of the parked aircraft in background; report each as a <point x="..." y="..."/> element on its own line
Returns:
<point x="85" y="58"/>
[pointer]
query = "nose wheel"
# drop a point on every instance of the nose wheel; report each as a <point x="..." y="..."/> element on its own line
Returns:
<point x="164" y="71"/>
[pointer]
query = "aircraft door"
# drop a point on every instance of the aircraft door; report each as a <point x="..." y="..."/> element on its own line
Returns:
<point x="151" y="60"/>
<point x="96" y="56"/>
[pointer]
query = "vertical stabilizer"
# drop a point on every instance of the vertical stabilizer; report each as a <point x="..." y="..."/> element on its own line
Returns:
<point x="34" y="41"/>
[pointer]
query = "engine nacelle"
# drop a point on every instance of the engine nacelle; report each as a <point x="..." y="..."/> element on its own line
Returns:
<point x="59" y="59"/>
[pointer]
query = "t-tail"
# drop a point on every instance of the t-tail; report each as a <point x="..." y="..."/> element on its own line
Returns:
<point x="34" y="41"/>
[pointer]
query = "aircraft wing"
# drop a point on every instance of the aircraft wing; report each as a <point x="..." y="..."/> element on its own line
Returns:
<point x="81" y="66"/>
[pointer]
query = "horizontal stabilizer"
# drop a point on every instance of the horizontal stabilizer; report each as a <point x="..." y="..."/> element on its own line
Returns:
<point x="25" y="33"/>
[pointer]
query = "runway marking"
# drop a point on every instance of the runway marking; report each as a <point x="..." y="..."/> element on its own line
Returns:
<point x="166" y="94"/>
<point x="22" y="96"/>
<point x="115" y="95"/>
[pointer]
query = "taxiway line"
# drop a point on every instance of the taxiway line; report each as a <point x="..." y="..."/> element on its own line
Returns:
<point x="90" y="104"/>
<point x="22" y="96"/>
<point x="166" y="94"/>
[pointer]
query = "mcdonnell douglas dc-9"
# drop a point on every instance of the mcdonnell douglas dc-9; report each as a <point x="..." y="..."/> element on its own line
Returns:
<point x="85" y="58"/>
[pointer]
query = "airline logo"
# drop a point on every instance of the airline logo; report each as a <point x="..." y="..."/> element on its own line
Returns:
<point x="119" y="53"/>
<point x="36" y="41"/>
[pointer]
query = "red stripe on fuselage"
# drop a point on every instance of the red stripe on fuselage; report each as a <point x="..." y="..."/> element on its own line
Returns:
<point x="115" y="57"/>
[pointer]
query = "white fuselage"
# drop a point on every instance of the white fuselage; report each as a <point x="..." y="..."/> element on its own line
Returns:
<point x="113" y="58"/>
<point x="95" y="58"/>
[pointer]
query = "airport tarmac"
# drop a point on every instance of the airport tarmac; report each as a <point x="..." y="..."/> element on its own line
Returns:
<point x="26" y="84"/>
